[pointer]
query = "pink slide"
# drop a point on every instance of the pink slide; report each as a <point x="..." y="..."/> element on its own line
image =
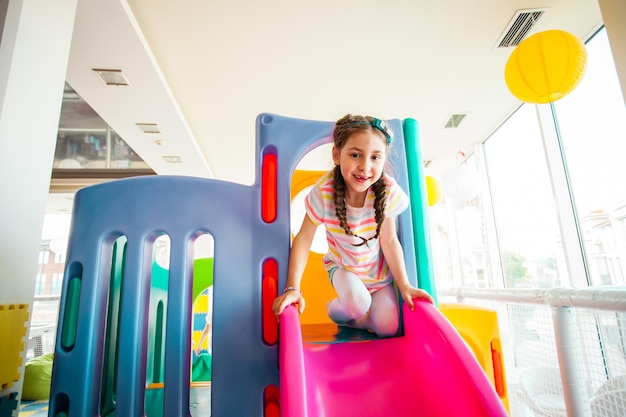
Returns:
<point x="429" y="371"/>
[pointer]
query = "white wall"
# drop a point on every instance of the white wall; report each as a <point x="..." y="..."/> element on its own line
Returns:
<point x="34" y="50"/>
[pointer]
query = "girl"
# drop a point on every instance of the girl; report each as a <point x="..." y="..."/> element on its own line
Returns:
<point x="357" y="203"/>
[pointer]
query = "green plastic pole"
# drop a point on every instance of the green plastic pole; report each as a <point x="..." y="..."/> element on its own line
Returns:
<point x="419" y="207"/>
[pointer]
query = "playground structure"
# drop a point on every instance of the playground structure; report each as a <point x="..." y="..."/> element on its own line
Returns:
<point x="103" y="344"/>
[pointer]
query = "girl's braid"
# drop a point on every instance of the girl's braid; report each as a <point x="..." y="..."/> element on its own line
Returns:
<point x="380" y="191"/>
<point x="340" y="202"/>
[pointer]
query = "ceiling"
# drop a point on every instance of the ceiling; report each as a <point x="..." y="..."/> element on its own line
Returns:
<point x="203" y="70"/>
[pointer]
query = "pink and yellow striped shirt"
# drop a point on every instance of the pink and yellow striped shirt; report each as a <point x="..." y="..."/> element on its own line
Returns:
<point x="367" y="261"/>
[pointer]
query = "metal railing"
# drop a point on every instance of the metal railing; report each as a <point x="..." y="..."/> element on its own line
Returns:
<point x="564" y="348"/>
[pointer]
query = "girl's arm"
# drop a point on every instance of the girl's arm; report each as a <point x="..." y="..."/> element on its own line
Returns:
<point x="297" y="262"/>
<point x="392" y="251"/>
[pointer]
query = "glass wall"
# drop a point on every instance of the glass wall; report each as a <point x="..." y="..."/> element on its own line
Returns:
<point x="85" y="141"/>
<point x="525" y="214"/>
<point x="592" y="121"/>
<point x="512" y="232"/>
<point x="460" y="226"/>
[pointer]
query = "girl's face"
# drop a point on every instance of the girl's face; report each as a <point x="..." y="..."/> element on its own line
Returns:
<point x="361" y="160"/>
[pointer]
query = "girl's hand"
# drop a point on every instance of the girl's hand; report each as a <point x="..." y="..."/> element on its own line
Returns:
<point x="409" y="293"/>
<point x="285" y="299"/>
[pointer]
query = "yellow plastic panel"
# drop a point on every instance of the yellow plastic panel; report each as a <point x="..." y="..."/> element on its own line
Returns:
<point x="12" y="330"/>
<point x="479" y="328"/>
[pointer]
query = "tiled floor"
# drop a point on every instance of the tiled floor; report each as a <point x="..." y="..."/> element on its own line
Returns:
<point x="34" y="409"/>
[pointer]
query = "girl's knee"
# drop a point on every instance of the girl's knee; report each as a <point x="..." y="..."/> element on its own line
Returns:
<point x="357" y="304"/>
<point x="384" y="314"/>
<point x="385" y="326"/>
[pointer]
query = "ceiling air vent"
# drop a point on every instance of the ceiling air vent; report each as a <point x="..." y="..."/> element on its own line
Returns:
<point x="519" y="26"/>
<point x="455" y="120"/>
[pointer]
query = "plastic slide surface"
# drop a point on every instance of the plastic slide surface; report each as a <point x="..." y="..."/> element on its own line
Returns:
<point x="429" y="371"/>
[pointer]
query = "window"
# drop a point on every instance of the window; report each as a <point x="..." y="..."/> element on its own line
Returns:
<point x="85" y="141"/>
<point x="525" y="214"/>
<point x="40" y="284"/>
<point x="459" y="230"/>
<point x="44" y="256"/>
<point x="520" y="206"/>
<point x="592" y="122"/>
<point x="57" y="282"/>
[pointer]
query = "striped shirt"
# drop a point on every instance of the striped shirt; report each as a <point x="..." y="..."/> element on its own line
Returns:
<point x="366" y="261"/>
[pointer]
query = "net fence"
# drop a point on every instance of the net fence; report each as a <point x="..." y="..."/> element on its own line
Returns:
<point x="560" y="356"/>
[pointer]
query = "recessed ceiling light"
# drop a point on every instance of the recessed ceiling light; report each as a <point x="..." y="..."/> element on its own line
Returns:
<point x="111" y="76"/>
<point x="148" y="127"/>
<point x="455" y="120"/>
<point x="173" y="159"/>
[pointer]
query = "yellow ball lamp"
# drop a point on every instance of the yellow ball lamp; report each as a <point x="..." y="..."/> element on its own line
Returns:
<point x="433" y="190"/>
<point x="546" y="66"/>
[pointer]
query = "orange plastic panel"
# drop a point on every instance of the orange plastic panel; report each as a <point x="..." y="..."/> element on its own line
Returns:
<point x="316" y="287"/>
<point x="498" y="368"/>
